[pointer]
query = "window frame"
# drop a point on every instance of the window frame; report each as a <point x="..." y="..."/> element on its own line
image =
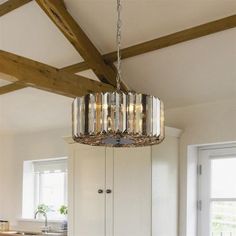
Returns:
<point x="205" y="155"/>
<point x="33" y="188"/>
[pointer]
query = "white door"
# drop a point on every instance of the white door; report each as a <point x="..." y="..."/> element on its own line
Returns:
<point x="89" y="191"/>
<point x="132" y="191"/>
<point x="217" y="192"/>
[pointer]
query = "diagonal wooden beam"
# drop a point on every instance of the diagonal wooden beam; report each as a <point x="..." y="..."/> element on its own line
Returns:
<point x="162" y="42"/>
<point x="73" y="32"/>
<point x="35" y="74"/>
<point x="11" y="5"/>
<point x="11" y="87"/>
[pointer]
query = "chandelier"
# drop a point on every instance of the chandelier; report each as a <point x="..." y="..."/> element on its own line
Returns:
<point x="118" y="119"/>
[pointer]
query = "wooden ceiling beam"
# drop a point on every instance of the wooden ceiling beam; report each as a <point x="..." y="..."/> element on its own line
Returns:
<point x="77" y="67"/>
<point x="11" y="87"/>
<point x="77" y="37"/>
<point x="11" y="5"/>
<point x="162" y="42"/>
<point x="35" y="74"/>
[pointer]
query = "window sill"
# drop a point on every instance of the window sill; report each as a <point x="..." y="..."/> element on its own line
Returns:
<point x="39" y="220"/>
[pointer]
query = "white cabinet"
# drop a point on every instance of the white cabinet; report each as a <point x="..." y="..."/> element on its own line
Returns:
<point x="124" y="191"/>
<point x="88" y="178"/>
<point x="111" y="191"/>
<point x="132" y="191"/>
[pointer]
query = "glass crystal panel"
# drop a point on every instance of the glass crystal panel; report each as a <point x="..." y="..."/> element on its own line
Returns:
<point x="98" y="112"/>
<point x="130" y="111"/>
<point x="149" y="115"/>
<point x="123" y="113"/>
<point x="162" y="119"/>
<point x="138" y="111"/>
<point x="223" y="178"/>
<point x="92" y="114"/>
<point x="157" y="117"/>
<point x="105" y="112"/>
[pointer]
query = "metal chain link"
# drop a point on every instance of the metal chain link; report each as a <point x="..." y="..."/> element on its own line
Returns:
<point x="118" y="41"/>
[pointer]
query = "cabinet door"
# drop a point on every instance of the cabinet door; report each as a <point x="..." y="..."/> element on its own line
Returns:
<point x="89" y="177"/>
<point x="132" y="191"/>
<point x="109" y="190"/>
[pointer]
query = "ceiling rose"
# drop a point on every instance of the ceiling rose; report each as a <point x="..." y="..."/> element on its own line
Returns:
<point x="118" y="119"/>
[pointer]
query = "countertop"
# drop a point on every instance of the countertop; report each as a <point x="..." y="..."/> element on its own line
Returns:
<point x="18" y="233"/>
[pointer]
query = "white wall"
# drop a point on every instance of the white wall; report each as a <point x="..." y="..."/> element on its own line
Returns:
<point x="14" y="150"/>
<point x="201" y="124"/>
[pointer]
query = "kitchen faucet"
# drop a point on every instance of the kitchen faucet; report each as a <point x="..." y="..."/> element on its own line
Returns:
<point x="46" y="229"/>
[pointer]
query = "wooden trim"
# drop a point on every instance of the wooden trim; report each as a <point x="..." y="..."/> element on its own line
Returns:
<point x="11" y="87"/>
<point x="35" y="74"/>
<point x="57" y="12"/>
<point x="165" y="41"/>
<point x="11" y="5"/>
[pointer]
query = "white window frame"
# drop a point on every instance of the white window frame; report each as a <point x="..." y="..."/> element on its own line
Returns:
<point x="204" y="181"/>
<point x="31" y="188"/>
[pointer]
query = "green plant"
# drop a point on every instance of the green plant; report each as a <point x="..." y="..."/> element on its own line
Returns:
<point x="63" y="210"/>
<point x="43" y="208"/>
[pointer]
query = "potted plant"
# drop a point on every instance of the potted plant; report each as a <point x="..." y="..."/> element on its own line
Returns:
<point x="43" y="208"/>
<point x="64" y="211"/>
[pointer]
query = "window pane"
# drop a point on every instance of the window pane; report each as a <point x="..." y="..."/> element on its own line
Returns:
<point x="223" y="176"/>
<point x="52" y="192"/>
<point x="223" y="219"/>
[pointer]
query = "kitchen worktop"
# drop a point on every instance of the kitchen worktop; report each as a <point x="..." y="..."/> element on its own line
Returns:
<point x="18" y="233"/>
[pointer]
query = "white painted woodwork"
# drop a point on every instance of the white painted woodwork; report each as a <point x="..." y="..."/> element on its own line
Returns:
<point x="89" y="177"/>
<point x="165" y="187"/>
<point x="205" y="156"/>
<point x="109" y="182"/>
<point x="144" y="184"/>
<point x="124" y="211"/>
<point x="132" y="191"/>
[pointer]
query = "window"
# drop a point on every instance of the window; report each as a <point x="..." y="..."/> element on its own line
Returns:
<point x="45" y="182"/>
<point x="217" y="192"/>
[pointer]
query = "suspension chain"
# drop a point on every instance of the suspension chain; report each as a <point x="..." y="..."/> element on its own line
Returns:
<point x="118" y="41"/>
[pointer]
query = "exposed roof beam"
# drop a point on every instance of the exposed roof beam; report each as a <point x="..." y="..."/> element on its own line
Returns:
<point x="165" y="41"/>
<point x="77" y="67"/>
<point x="73" y="32"/>
<point x="11" y="5"/>
<point x="35" y="74"/>
<point x="11" y="87"/>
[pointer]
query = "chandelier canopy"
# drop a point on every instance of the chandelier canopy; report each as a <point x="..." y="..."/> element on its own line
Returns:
<point x="118" y="119"/>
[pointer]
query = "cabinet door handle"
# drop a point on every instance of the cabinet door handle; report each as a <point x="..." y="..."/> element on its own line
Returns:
<point x="100" y="191"/>
<point x="108" y="191"/>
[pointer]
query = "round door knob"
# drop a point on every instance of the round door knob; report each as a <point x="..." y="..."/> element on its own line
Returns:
<point x="100" y="191"/>
<point x="108" y="191"/>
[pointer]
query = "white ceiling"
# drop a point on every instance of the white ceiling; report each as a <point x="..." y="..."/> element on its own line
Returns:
<point x="144" y="19"/>
<point x="197" y="71"/>
<point x="29" y="110"/>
